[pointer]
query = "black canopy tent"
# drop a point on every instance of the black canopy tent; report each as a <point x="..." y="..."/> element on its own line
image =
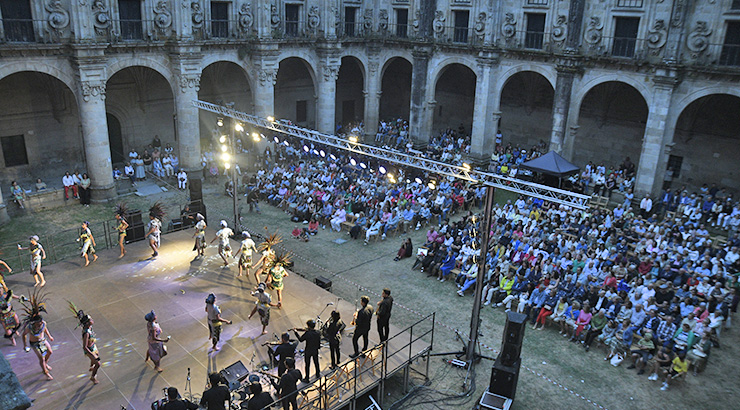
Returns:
<point x="551" y="164"/>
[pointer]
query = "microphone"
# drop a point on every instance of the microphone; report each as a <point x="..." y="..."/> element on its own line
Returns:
<point x="330" y="304"/>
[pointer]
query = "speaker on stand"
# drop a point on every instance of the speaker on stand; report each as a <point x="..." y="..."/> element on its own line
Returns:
<point x="505" y="372"/>
<point x="196" y="197"/>
<point x="136" y="229"/>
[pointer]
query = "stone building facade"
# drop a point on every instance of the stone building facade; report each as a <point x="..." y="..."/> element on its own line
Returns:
<point x="84" y="81"/>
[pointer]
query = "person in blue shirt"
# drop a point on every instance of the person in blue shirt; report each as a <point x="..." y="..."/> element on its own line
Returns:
<point x="448" y="264"/>
<point x="535" y="302"/>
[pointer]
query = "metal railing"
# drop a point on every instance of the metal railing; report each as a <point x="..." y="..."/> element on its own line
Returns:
<point x="456" y="35"/>
<point x="727" y="55"/>
<point x="18" y="30"/>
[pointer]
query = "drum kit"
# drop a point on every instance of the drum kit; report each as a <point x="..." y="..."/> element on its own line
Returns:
<point x="238" y="379"/>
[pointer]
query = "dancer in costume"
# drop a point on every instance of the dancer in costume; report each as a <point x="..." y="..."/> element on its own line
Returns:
<point x="200" y="235"/>
<point x="121" y="210"/>
<point x="262" y="306"/>
<point x="245" y="253"/>
<point x="35" y="331"/>
<point x="88" y="243"/>
<point x="215" y="321"/>
<point x="224" y="247"/>
<point x="277" y="274"/>
<point x="8" y="315"/>
<point x="37" y="253"/>
<point x="89" y="348"/>
<point x="157" y="350"/>
<point x="154" y="229"/>
<point x="268" y="255"/>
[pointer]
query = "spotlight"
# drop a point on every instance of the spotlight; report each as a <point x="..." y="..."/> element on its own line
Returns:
<point x="220" y="122"/>
<point x="270" y="118"/>
<point x="353" y="162"/>
<point x="227" y="165"/>
<point x="263" y="136"/>
<point x="255" y="137"/>
<point x="432" y="185"/>
<point x="238" y="127"/>
<point x="286" y="143"/>
<point x="408" y="181"/>
<point x="315" y="152"/>
<point x="322" y="153"/>
<point x="305" y="148"/>
<point x="225" y="157"/>
<point x="418" y="180"/>
<point x="224" y="148"/>
<point x="466" y="166"/>
<point x="276" y="139"/>
<point x="362" y="165"/>
<point x="382" y="169"/>
<point x="353" y="139"/>
<point x="332" y="157"/>
<point x="222" y="139"/>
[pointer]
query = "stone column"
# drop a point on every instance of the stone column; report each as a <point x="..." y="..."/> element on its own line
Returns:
<point x="372" y="112"/>
<point x="264" y="92"/>
<point x="3" y="209"/>
<point x="187" y="66"/>
<point x="485" y="119"/>
<point x="561" y="106"/>
<point x="94" y="124"/>
<point x="327" y="97"/>
<point x="419" y="114"/>
<point x="652" y="165"/>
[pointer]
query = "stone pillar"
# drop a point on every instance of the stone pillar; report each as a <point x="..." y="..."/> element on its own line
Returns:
<point x="94" y="124"/>
<point x="264" y="91"/>
<point x="187" y="66"/>
<point x="561" y="106"/>
<point x="485" y="119"/>
<point x="372" y="112"/>
<point x="327" y="97"/>
<point x="182" y="22"/>
<point x="652" y="165"/>
<point x="3" y="209"/>
<point x="419" y="115"/>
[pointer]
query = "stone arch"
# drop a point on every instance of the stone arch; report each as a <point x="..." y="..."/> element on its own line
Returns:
<point x="444" y="64"/>
<point x="308" y="61"/>
<point x="700" y="92"/>
<point x="453" y="90"/>
<point x="549" y="74"/>
<point x="119" y="64"/>
<point x="387" y="62"/>
<point x="588" y="86"/>
<point x="361" y="61"/>
<point x="525" y="101"/>
<point x="350" y="101"/>
<point x="64" y="74"/>
<point x="296" y="91"/>
<point x="396" y="105"/>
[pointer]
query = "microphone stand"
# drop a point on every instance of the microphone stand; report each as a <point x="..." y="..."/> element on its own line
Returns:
<point x="188" y="387"/>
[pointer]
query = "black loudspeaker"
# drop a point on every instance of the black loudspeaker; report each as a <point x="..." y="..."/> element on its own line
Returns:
<point x="323" y="283"/>
<point x="198" y="207"/>
<point x="504" y="378"/>
<point x="511" y="346"/>
<point x="196" y="189"/>
<point x="136" y="228"/>
<point x="234" y="375"/>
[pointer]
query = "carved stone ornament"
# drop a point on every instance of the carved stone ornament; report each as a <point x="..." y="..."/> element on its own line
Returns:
<point x="383" y="21"/>
<point x="480" y="26"/>
<point x="508" y="29"/>
<point x="367" y="20"/>
<point x="58" y="17"/>
<point x="373" y="66"/>
<point x="331" y="73"/>
<point x="698" y="40"/>
<point x="162" y="16"/>
<point x="267" y="75"/>
<point x="439" y="21"/>
<point x="593" y="36"/>
<point x="197" y="15"/>
<point x="274" y="16"/>
<point x="188" y="81"/>
<point x="337" y="16"/>
<point x="560" y="29"/>
<point x="417" y="21"/>
<point x="314" y="19"/>
<point x="657" y="37"/>
<point x="245" y="17"/>
<point x="679" y="9"/>
<point x="93" y="90"/>
<point x="101" y="18"/>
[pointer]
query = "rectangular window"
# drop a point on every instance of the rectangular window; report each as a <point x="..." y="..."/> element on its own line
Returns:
<point x="731" y="48"/>
<point x="674" y="165"/>
<point x="462" y="21"/>
<point x="402" y="23"/>
<point x="625" y="36"/>
<point x="291" y="19"/>
<point x="631" y="4"/>
<point x="14" y="150"/>
<point x="129" y="12"/>
<point x="350" y="21"/>
<point x="735" y="5"/>
<point x="537" y="2"/>
<point x="535" y="34"/>
<point x="301" y="111"/>
<point x="17" y="20"/>
<point x="219" y="19"/>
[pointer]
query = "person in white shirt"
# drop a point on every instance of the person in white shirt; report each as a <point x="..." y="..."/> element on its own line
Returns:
<point x="646" y="205"/>
<point x="69" y="185"/>
<point x="167" y="165"/>
<point x="224" y="247"/>
<point x="339" y="216"/>
<point x="182" y="179"/>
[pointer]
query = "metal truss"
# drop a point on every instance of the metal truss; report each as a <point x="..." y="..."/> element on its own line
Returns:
<point x="547" y="193"/>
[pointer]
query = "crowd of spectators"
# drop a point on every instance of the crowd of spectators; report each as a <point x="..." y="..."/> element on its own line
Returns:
<point x="156" y="160"/>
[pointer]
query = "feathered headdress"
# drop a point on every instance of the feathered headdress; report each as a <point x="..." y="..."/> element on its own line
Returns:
<point x="33" y="307"/>
<point x="79" y="314"/>
<point x="157" y="211"/>
<point x="283" y="259"/>
<point x="270" y="241"/>
<point x="121" y="209"/>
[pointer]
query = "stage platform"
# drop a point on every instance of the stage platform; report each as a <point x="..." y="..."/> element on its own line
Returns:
<point x="117" y="293"/>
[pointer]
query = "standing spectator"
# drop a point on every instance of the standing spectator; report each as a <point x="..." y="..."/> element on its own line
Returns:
<point x="69" y="185"/>
<point x="645" y="206"/>
<point x="147" y="158"/>
<point x="156" y="142"/>
<point x="85" y="190"/>
<point x="139" y="167"/>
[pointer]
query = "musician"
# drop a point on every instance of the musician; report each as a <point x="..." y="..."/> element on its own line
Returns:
<point x="333" y="333"/>
<point x="288" y="384"/>
<point x="214" y="398"/>
<point x="175" y="402"/>
<point x="384" y="315"/>
<point x="363" y="318"/>
<point x="284" y="350"/>
<point x="311" y="350"/>
<point x="260" y="399"/>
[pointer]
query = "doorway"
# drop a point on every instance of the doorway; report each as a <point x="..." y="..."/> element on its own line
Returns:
<point x="115" y="138"/>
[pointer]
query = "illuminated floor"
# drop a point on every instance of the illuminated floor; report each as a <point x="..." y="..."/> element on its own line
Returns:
<point x="117" y="294"/>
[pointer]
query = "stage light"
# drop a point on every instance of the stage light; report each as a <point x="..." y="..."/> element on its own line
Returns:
<point x="322" y="153"/>
<point x="255" y="137"/>
<point x="220" y="122"/>
<point x="263" y="136"/>
<point x="332" y="157"/>
<point x="315" y="152"/>
<point x="222" y="139"/>
<point x="305" y="148"/>
<point x="382" y="169"/>
<point x="418" y="180"/>
<point x="286" y="143"/>
<point x="408" y="181"/>
<point x="238" y="127"/>
<point x="432" y="185"/>
<point x="270" y="118"/>
<point x="227" y="165"/>
<point x="224" y="148"/>
<point x="353" y="139"/>
<point x="362" y="165"/>
<point x="225" y="157"/>
<point x="466" y="166"/>
<point x="353" y="162"/>
<point x="276" y="139"/>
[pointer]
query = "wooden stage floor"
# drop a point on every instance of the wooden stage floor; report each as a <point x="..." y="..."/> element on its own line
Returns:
<point x="118" y="293"/>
